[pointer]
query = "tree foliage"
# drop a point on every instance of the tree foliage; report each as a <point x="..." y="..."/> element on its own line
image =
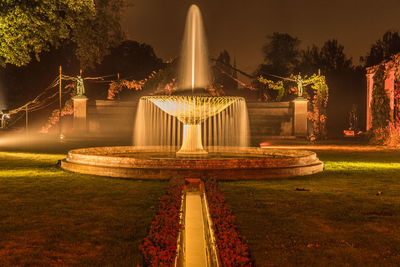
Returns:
<point x="130" y="59"/>
<point x="277" y="86"/>
<point x="222" y="73"/>
<point x="329" y="58"/>
<point x="28" y="28"/>
<point x="333" y="58"/>
<point x="309" y="61"/>
<point x="383" y="49"/>
<point x="281" y="53"/>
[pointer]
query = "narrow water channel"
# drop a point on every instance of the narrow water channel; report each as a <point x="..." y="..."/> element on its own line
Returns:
<point x="195" y="244"/>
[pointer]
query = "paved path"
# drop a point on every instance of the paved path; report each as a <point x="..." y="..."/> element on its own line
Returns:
<point x="194" y="231"/>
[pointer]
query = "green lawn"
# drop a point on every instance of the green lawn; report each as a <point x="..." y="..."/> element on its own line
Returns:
<point x="340" y="221"/>
<point x="52" y="217"/>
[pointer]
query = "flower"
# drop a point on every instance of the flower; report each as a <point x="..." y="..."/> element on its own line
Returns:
<point x="160" y="245"/>
<point x="232" y="249"/>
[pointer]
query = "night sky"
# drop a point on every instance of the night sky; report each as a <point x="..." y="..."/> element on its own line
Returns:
<point x="241" y="26"/>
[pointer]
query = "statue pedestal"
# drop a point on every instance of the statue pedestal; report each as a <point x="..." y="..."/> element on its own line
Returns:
<point x="80" y="114"/>
<point x="300" y="117"/>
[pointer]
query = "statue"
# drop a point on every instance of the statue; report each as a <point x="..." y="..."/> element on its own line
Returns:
<point x="80" y="87"/>
<point x="4" y="117"/>
<point x="299" y="81"/>
<point x="353" y="118"/>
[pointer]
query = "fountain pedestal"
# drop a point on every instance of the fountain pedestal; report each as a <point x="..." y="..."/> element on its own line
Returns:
<point x="191" y="144"/>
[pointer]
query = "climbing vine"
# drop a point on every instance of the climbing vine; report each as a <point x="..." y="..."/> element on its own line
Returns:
<point x="68" y="109"/>
<point x="277" y="86"/>
<point x="162" y="82"/>
<point x="380" y="107"/>
<point x="396" y="114"/>
<point x="116" y="87"/>
<point x="319" y="102"/>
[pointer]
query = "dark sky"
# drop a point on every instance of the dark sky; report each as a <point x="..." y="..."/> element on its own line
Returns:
<point x="241" y="26"/>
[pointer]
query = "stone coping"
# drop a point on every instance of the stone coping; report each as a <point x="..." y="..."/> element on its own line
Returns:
<point x="164" y="158"/>
<point x="222" y="163"/>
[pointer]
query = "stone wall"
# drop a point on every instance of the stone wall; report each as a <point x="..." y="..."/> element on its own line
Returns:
<point x="111" y="118"/>
<point x="267" y="120"/>
<point x="272" y="120"/>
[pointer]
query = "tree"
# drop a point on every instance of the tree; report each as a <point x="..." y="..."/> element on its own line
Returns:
<point x="346" y="84"/>
<point x="332" y="57"/>
<point x="383" y="49"/>
<point x="130" y="59"/>
<point x="281" y="56"/>
<point x="28" y="28"/>
<point x="281" y="53"/>
<point x="222" y="70"/>
<point x="309" y="62"/>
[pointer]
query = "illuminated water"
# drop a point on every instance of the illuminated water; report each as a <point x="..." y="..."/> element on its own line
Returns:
<point x="194" y="63"/>
<point x="219" y="124"/>
<point x="192" y="122"/>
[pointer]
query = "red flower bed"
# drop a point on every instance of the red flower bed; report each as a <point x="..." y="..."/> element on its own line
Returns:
<point x="160" y="244"/>
<point x="232" y="250"/>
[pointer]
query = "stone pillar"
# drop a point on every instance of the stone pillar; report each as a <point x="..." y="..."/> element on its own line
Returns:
<point x="80" y="114"/>
<point x="370" y="84"/>
<point x="389" y="88"/>
<point x="300" y="117"/>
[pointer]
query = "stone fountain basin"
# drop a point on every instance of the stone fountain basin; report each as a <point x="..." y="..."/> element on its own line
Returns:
<point x="228" y="163"/>
<point x="192" y="109"/>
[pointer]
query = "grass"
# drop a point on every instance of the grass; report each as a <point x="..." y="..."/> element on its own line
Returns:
<point x="52" y="217"/>
<point x="341" y="221"/>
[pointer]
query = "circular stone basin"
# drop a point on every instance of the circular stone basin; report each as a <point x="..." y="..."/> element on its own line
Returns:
<point x="229" y="163"/>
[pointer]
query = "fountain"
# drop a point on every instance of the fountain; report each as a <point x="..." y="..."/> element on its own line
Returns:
<point x="192" y="134"/>
<point x="192" y="106"/>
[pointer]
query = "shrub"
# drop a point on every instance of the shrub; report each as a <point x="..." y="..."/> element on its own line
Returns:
<point x="388" y="136"/>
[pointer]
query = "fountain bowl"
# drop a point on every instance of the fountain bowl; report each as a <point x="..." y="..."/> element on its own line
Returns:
<point x="226" y="163"/>
<point x="192" y="109"/>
